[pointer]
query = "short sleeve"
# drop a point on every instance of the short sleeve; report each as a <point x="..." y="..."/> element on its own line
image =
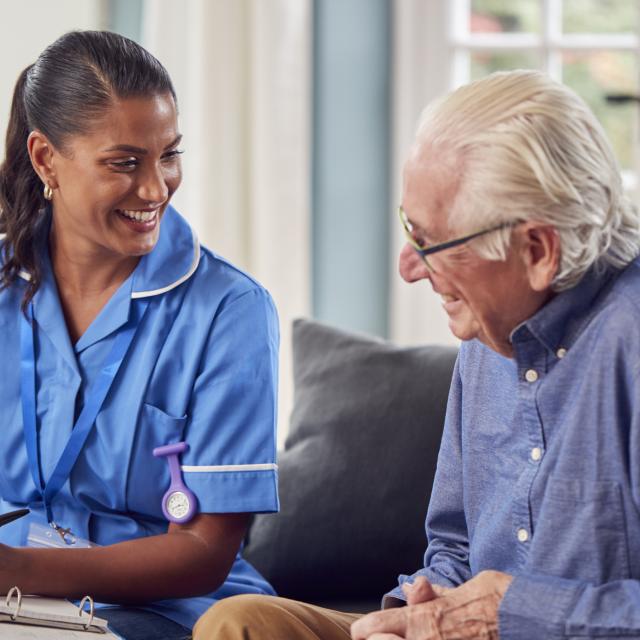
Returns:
<point x="231" y="421"/>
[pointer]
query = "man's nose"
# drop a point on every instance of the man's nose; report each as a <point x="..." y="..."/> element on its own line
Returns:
<point x="411" y="266"/>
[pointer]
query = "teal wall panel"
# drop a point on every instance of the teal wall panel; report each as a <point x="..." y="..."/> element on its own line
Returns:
<point x="125" y="17"/>
<point x="351" y="163"/>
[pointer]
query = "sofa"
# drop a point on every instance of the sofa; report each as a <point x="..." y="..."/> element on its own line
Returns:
<point x="357" y="467"/>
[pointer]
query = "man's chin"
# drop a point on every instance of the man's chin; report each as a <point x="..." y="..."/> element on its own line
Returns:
<point x="464" y="330"/>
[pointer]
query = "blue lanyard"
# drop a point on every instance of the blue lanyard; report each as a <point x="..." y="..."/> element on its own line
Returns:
<point x="95" y="398"/>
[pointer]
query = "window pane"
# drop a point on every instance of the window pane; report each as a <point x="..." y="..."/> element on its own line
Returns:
<point x="599" y="16"/>
<point x="498" y="16"/>
<point x="485" y="62"/>
<point x="593" y="75"/>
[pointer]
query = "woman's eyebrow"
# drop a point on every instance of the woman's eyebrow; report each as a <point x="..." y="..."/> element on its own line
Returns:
<point x="128" y="148"/>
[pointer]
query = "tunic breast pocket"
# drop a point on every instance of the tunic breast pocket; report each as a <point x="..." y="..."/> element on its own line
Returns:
<point x="580" y="531"/>
<point x="149" y="476"/>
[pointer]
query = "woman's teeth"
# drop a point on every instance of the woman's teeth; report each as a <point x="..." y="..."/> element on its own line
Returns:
<point x="447" y="298"/>
<point x="139" y="216"/>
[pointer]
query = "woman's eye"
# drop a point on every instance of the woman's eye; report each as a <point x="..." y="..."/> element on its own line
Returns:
<point x="129" y="164"/>
<point x="172" y="155"/>
<point x="124" y="165"/>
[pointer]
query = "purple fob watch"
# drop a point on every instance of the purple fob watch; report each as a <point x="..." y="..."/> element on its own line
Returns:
<point x="178" y="503"/>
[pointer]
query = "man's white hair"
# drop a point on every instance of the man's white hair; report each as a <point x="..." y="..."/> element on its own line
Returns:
<point x="529" y="148"/>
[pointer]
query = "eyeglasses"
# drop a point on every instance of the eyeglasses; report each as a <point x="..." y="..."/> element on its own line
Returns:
<point x="424" y="251"/>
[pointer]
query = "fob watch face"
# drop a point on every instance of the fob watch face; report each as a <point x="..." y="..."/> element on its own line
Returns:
<point x="178" y="504"/>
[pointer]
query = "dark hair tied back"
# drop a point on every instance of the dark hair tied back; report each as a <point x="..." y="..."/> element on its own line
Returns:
<point x="71" y="84"/>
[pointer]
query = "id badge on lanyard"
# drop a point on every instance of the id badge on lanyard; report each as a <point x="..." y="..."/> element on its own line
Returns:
<point x="95" y="398"/>
<point x="52" y="536"/>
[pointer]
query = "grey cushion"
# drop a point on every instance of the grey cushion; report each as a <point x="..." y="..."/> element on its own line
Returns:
<point x="356" y="472"/>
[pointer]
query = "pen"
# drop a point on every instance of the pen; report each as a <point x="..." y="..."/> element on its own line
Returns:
<point x="6" y="518"/>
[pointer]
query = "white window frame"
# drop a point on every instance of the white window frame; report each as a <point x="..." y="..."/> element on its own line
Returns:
<point x="550" y="44"/>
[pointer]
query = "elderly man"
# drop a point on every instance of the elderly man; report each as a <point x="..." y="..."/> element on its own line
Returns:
<point x="514" y="211"/>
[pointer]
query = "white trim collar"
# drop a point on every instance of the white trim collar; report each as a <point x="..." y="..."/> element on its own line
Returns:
<point x="180" y="280"/>
<point x="175" y="257"/>
<point x="173" y="260"/>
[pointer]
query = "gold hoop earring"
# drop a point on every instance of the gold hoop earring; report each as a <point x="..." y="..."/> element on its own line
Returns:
<point x="48" y="192"/>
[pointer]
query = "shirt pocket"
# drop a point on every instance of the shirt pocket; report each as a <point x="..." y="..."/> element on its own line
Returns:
<point x="148" y="476"/>
<point x="580" y="532"/>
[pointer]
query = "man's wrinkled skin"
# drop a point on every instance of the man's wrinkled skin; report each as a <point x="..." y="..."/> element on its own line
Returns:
<point x="437" y="613"/>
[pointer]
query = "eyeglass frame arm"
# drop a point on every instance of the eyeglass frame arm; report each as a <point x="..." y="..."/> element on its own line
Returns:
<point x="458" y="241"/>
<point x="426" y="251"/>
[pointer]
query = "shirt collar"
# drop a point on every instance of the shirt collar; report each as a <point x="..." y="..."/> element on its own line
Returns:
<point x="112" y="316"/>
<point x="559" y="322"/>
<point x="173" y="260"/>
<point x="48" y="314"/>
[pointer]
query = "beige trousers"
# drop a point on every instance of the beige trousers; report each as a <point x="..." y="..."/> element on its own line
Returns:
<point x="254" y="617"/>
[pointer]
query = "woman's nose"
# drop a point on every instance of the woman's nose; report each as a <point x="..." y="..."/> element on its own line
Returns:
<point x="411" y="266"/>
<point x="153" y="186"/>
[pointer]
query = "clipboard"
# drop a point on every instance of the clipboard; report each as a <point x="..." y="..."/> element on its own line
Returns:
<point x="36" y="617"/>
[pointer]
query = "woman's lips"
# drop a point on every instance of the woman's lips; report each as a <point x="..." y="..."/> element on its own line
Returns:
<point x="138" y="220"/>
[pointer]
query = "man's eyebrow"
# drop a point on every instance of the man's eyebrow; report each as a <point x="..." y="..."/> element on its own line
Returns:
<point x="128" y="148"/>
<point x="416" y="227"/>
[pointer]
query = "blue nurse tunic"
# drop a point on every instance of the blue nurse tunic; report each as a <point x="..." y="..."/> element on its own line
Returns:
<point x="202" y="367"/>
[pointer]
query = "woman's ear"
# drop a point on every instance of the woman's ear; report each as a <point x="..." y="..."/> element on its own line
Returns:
<point x="541" y="254"/>
<point x="41" y="152"/>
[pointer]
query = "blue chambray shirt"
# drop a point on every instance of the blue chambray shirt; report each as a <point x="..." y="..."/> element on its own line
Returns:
<point x="539" y="468"/>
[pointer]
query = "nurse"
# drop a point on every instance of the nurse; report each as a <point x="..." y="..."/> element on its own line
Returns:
<point x="121" y="335"/>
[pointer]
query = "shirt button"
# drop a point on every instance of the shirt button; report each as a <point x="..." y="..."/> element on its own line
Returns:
<point x="561" y="352"/>
<point x="531" y="375"/>
<point x="536" y="454"/>
<point x="523" y="535"/>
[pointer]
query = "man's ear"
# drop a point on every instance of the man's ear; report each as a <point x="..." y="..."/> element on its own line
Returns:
<point x="541" y="253"/>
<point x="41" y="152"/>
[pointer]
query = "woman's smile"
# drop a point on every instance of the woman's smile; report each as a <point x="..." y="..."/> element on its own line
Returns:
<point x="141" y="221"/>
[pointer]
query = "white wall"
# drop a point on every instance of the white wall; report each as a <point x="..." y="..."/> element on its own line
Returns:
<point x="242" y="72"/>
<point x="27" y="27"/>
<point x="420" y="73"/>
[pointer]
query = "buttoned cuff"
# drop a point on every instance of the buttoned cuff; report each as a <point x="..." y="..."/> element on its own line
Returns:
<point x="536" y="607"/>
<point x="234" y="491"/>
